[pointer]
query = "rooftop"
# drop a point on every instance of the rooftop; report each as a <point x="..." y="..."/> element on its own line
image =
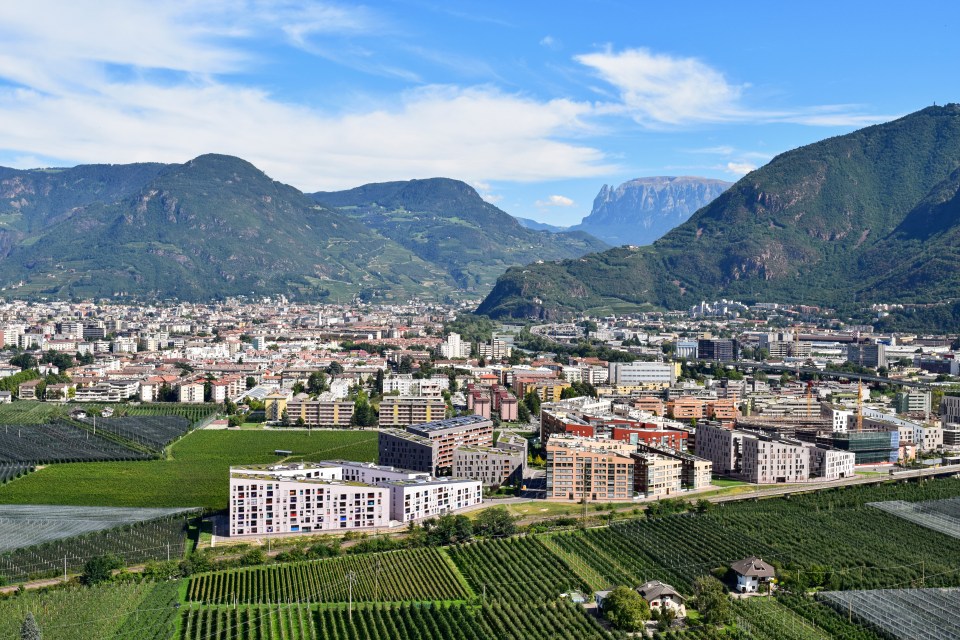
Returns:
<point x="451" y="423"/>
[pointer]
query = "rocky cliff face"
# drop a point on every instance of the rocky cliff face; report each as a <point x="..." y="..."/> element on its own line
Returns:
<point x="640" y="211"/>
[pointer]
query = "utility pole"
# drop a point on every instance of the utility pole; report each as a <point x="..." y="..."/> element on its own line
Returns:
<point x="64" y="568"/>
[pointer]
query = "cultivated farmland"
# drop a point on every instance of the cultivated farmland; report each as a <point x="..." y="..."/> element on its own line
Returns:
<point x="58" y="442"/>
<point x="416" y="574"/>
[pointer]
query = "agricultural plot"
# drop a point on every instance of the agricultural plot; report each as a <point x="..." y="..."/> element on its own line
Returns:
<point x="766" y="619"/>
<point x="516" y="570"/>
<point x="31" y="412"/>
<point x="156" y="616"/>
<point x="156" y="539"/>
<point x="79" y="613"/>
<point x="29" y="525"/>
<point x="416" y="574"/>
<point x="427" y="621"/>
<point x="58" y="442"/>
<point x="12" y="470"/>
<point x="827" y="618"/>
<point x="939" y="515"/>
<point x="910" y="614"/>
<point x="152" y="431"/>
<point x="675" y="549"/>
<point x="197" y="473"/>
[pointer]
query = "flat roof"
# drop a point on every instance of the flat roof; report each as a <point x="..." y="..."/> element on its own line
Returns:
<point x="450" y="423"/>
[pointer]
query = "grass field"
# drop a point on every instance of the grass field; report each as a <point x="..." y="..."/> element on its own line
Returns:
<point x="195" y="475"/>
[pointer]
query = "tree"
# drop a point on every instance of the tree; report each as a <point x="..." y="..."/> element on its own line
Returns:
<point x="448" y="529"/>
<point x="626" y="609"/>
<point x="334" y="369"/>
<point x="523" y="414"/>
<point x="30" y="630"/>
<point x="24" y="361"/>
<point x="406" y="365"/>
<point x="317" y="383"/>
<point x="363" y="413"/>
<point x="378" y="383"/>
<point x="495" y="522"/>
<point x="251" y="382"/>
<point x="298" y="388"/>
<point x="711" y="600"/>
<point x="100" y="569"/>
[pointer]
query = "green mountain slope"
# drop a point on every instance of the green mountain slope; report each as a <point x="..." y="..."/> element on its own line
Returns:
<point x="447" y="223"/>
<point x="214" y="226"/>
<point x="865" y="217"/>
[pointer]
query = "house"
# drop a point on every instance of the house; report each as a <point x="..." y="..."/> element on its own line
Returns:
<point x="662" y="596"/>
<point x="5" y="397"/>
<point x="751" y="573"/>
<point x="28" y="390"/>
<point x="600" y="596"/>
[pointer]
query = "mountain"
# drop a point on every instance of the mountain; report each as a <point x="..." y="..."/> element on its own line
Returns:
<point x="871" y="216"/>
<point x="446" y="223"/>
<point x="214" y="226"/>
<point x="640" y="211"/>
<point x="540" y="226"/>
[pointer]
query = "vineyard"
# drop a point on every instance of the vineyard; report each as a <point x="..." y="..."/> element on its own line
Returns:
<point x="516" y="570"/>
<point x="13" y="470"/>
<point x="428" y="621"/>
<point x="152" y="431"/>
<point x="675" y="550"/>
<point x="766" y="619"/>
<point x="155" y="539"/>
<point x="80" y="613"/>
<point x="58" y="442"/>
<point x="35" y="412"/>
<point x="416" y="574"/>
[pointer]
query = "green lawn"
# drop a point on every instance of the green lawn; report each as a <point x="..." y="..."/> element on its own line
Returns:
<point x="727" y="482"/>
<point x="195" y="476"/>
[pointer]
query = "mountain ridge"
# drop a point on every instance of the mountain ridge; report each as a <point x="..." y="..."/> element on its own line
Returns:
<point x="800" y="229"/>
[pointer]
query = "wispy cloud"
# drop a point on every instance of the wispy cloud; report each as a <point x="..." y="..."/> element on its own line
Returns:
<point x="740" y="168"/>
<point x="555" y="201"/>
<point x="659" y="90"/>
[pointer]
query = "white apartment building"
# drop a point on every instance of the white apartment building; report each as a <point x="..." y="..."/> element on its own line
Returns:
<point x="302" y="498"/>
<point x="454" y="348"/>
<point x="339" y="495"/>
<point x="640" y="373"/>
<point x="191" y="392"/>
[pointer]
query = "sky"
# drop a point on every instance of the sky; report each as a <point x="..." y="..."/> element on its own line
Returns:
<point x="535" y="104"/>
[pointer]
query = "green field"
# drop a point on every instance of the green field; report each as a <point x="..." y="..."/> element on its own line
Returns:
<point x="196" y="474"/>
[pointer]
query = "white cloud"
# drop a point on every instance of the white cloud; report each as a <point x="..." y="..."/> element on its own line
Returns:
<point x="740" y="168"/>
<point x="549" y="42"/>
<point x="659" y="90"/>
<point x="555" y="201"/>
<point x="92" y="84"/>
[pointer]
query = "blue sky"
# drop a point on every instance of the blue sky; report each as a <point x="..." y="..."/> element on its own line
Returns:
<point x="536" y="104"/>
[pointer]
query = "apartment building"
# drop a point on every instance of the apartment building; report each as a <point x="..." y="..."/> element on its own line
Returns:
<point x="191" y="392"/>
<point x="454" y="348"/>
<point x="695" y="472"/>
<point x="451" y="433"/>
<point x="867" y="355"/>
<point x="110" y="391"/>
<point x="335" y="496"/>
<point x="715" y="349"/>
<point x="402" y="411"/>
<point x="640" y="373"/>
<point x="581" y="468"/>
<point x="400" y="448"/>
<point x="322" y="412"/>
<point x="656" y="476"/>
<point x="503" y="463"/>
<point x="302" y="498"/>
<point x="913" y="401"/>
<point x="764" y="459"/>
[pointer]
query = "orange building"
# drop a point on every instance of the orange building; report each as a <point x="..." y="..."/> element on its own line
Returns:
<point x="687" y="408"/>
<point x="649" y="404"/>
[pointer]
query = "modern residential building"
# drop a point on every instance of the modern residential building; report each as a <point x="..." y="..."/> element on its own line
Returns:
<point x="591" y="469"/>
<point x="695" y="472"/>
<point x="451" y="433"/>
<point x="400" y="448"/>
<point x="913" y="401"/>
<point x="766" y="459"/>
<point x="454" y="348"/>
<point x="503" y="463"/>
<point x="655" y="476"/>
<point x="339" y="495"/>
<point x="402" y="411"/>
<point x="191" y="392"/>
<point x="640" y="373"/>
<point x="302" y="498"/>
<point x="320" y="412"/>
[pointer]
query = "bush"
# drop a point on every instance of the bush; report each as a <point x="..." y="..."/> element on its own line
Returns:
<point x="100" y="569"/>
<point x="626" y="609"/>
